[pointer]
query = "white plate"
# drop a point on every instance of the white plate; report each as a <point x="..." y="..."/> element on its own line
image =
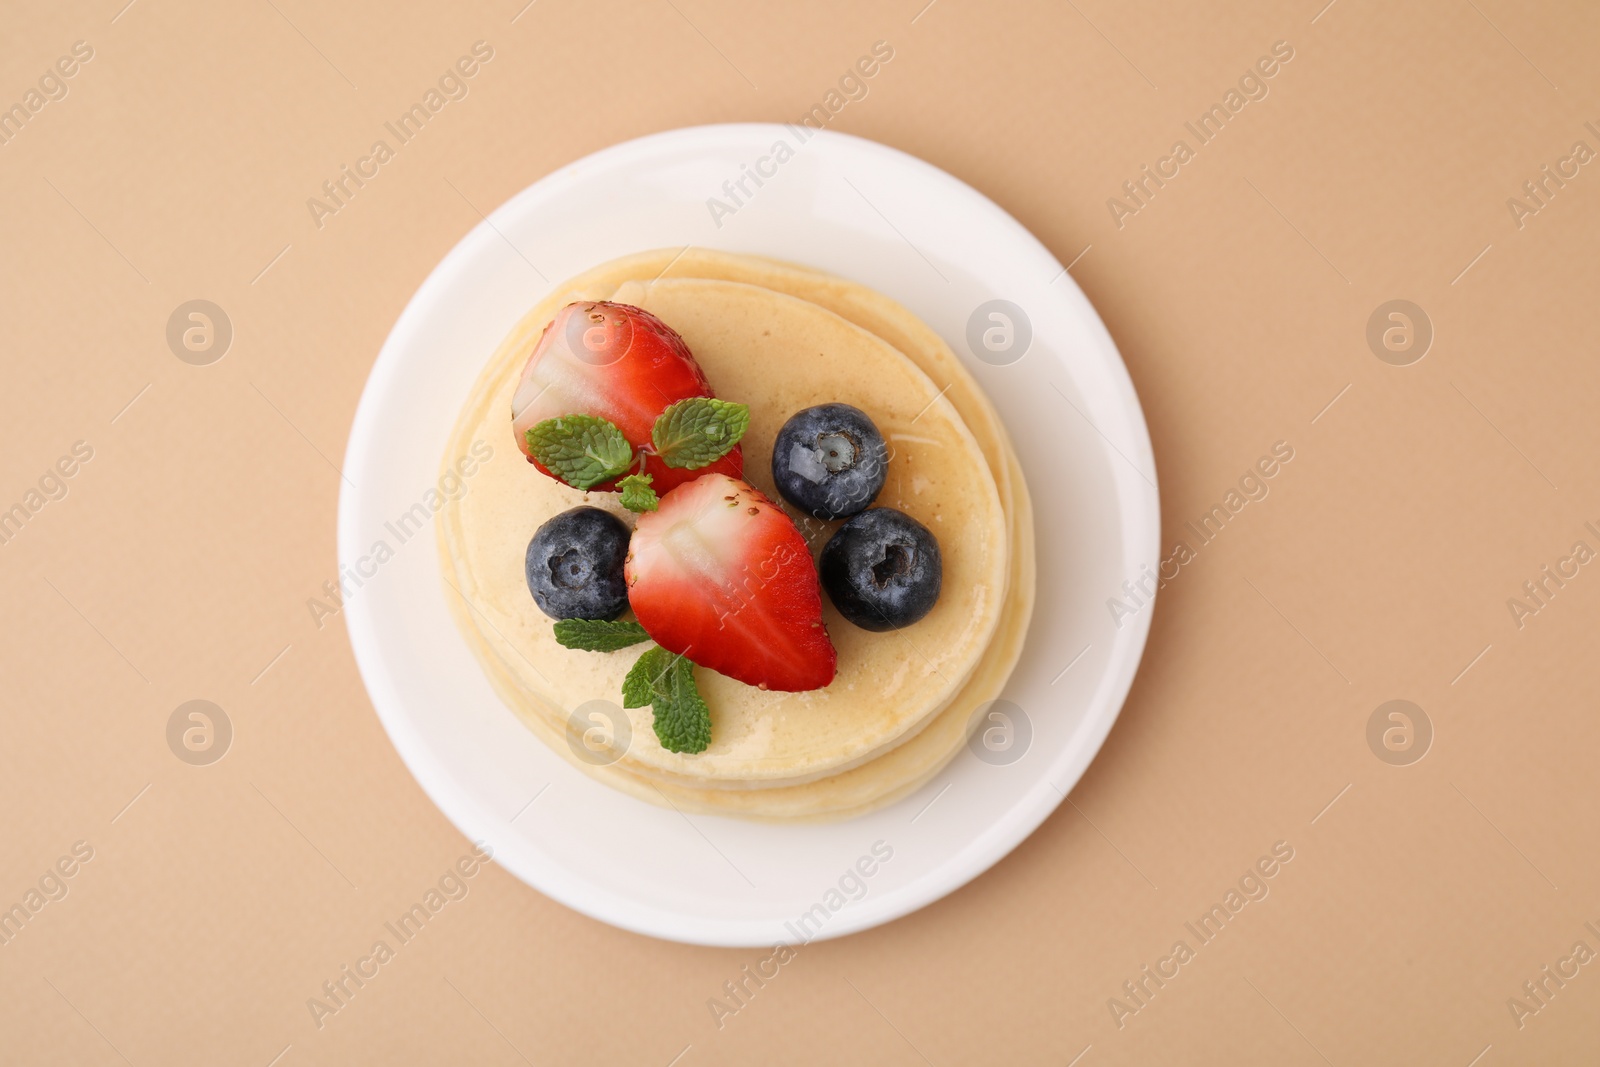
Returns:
<point x="865" y="212"/>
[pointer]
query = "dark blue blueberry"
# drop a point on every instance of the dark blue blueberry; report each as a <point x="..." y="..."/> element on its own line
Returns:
<point x="574" y="565"/>
<point x="882" y="569"/>
<point x="830" y="461"/>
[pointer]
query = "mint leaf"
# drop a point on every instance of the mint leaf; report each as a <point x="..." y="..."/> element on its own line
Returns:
<point x="598" y="635"/>
<point x="701" y="430"/>
<point x="639" y="687"/>
<point x="682" y="719"/>
<point x="637" y="494"/>
<point x="581" y="450"/>
<point x="666" y="682"/>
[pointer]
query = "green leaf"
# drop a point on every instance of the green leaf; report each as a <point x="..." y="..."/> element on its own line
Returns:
<point x="598" y="635"/>
<point x="581" y="450"/>
<point x="682" y="719"/>
<point x="701" y="430"/>
<point x="666" y="682"/>
<point x="639" y="687"/>
<point x="637" y="494"/>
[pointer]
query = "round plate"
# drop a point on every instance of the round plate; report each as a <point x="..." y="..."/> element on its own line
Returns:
<point x="865" y="212"/>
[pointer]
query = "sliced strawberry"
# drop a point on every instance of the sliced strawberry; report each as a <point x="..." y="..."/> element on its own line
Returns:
<point x="721" y="575"/>
<point x="622" y="364"/>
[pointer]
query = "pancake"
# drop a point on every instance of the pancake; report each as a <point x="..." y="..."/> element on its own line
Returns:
<point x="920" y="753"/>
<point x="778" y="354"/>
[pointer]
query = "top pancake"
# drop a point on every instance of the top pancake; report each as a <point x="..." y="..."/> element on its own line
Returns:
<point x="777" y="354"/>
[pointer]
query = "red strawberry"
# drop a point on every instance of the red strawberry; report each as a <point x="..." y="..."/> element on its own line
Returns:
<point x="721" y="575"/>
<point x="622" y="364"/>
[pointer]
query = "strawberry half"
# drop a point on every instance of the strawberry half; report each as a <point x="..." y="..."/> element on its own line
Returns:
<point x="622" y="364"/>
<point x="720" y="575"/>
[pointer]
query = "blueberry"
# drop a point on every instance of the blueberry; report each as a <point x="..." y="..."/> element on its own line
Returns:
<point x="882" y="569"/>
<point x="830" y="461"/>
<point x="574" y="565"/>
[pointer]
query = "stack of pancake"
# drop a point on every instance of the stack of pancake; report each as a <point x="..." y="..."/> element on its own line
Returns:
<point x="777" y="338"/>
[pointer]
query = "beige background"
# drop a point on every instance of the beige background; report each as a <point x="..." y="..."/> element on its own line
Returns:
<point x="178" y="564"/>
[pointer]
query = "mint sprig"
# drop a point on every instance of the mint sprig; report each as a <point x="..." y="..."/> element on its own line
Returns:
<point x="665" y="681"/>
<point x="639" y="687"/>
<point x="698" y="431"/>
<point x="637" y="494"/>
<point x="599" y="635"/>
<point x="684" y="723"/>
<point x="581" y="450"/>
